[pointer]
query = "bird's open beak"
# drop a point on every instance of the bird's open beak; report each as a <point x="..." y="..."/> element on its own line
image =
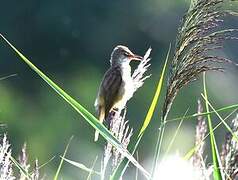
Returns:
<point x="136" y="57"/>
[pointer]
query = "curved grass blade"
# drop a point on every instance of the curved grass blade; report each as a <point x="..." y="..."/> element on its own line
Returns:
<point x="189" y="154"/>
<point x="137" y="172"/>
<point x="91" y="172"/>
<point x="81" y="110"/>
<point x="156" y="97"/>
<point x="234" y="106"/>
<point x="121" y="168"/>
<point x="61" y="162"/>
<point x="44" y="164"/>
<point x="217" y="174"/>
<point x="174" y="136"/>
<point x="81" y="166"/>
<point x="6" y="77"/>
<point x="222" y="120"/>
<point x="22" y="170"/>
<point x="160" y="134"/>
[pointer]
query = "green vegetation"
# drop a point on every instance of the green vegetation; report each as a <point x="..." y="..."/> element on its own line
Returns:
<point x="200" y="36"/>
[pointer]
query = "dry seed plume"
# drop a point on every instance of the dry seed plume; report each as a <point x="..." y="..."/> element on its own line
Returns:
<point x="198" y="37"/>
<point x="229" y="155"/>
<point x="6" y="170"/>
<point x="198" y="159"/>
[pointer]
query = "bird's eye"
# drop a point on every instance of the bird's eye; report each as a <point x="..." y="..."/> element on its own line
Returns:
<point x="126" y="54"/>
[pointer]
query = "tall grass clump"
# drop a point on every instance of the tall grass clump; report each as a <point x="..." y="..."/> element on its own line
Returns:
<point x="7" y="163"/>
<point x="229" y="154"/>
<point x="199" y="37"/>
<point x="6" y="171"/>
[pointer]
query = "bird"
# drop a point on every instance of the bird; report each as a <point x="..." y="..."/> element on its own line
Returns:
<point x="116" y="87"/>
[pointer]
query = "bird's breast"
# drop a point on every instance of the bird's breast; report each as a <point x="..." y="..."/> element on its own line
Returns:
<point x="127" y="88"/>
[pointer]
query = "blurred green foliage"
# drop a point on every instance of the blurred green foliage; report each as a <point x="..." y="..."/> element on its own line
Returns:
<point x="71" y="41"/>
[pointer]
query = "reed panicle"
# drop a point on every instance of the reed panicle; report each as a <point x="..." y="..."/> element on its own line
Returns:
<point x="23" y="161"/>
<point x="36" y="174"/>
<point x="198" y="160"/>
<point x="121" y="130"/>
<point x="201" y="130"/>
<point x="6" y="171"/>
<point x="7" y="163"/>
<point x="198" y="37"/>
<point x="229" y="155"/>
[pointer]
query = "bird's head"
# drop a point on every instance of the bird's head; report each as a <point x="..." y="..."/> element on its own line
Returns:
<point x="122" y="54"/>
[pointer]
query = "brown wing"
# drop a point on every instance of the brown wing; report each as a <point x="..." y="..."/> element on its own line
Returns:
<point x="110" y="87"/>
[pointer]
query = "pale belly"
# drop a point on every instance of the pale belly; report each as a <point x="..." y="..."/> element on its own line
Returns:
<point x="126" y="90"/>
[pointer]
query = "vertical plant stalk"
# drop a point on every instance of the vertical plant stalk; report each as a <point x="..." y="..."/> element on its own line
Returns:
<point x="23" y="161"/>
<point x="229" y="155"/>
<point x="62" y="159"/>
<point x="197" y="158"/>
<point x="217" y="175"/>
<point x="201" y="130"/>
<point x="197" y="38"/>
<point x="36" y="174"/>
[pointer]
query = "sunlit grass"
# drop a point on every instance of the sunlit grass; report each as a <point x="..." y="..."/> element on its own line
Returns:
<point x="188" y="62"/>
<point x="175" y="167"/>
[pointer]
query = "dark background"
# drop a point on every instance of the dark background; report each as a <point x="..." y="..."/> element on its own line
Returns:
<point x="71" y="41"/>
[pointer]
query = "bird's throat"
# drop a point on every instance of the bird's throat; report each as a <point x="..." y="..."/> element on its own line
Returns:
<point x="125" y="70"/>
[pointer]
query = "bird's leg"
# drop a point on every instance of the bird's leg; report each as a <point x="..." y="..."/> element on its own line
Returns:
<point x="115" y="111"/>
<point x="112" y="114"/>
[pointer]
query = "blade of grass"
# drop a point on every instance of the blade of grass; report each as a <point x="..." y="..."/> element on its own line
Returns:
<point x="44" y="164"/>
<point x="156" y="97"/>
<point x="90" y="173"/>
<point x="6" y="77"/>
<point x="217" y="174"/>
<point x="41" y="166"/>
<point x="22" y="170"/>
<point x="120" y="170"/>
<point x="234" y="106"/>
<point x="61" y="161"/>
<point x="174" y="136"/>
<point x="81" y="110"/>
<point x="159" y="141"/>
<point x="158" y="146"/>
<point x="222" y="120"/>
<point x="227" y="175"/>
<point x="189" y="154"/>
<point x="81" y="166"/>
<point x="137" y="157"/>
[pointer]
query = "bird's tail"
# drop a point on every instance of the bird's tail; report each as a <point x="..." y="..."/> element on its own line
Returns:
<point x="101" y="118"/>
